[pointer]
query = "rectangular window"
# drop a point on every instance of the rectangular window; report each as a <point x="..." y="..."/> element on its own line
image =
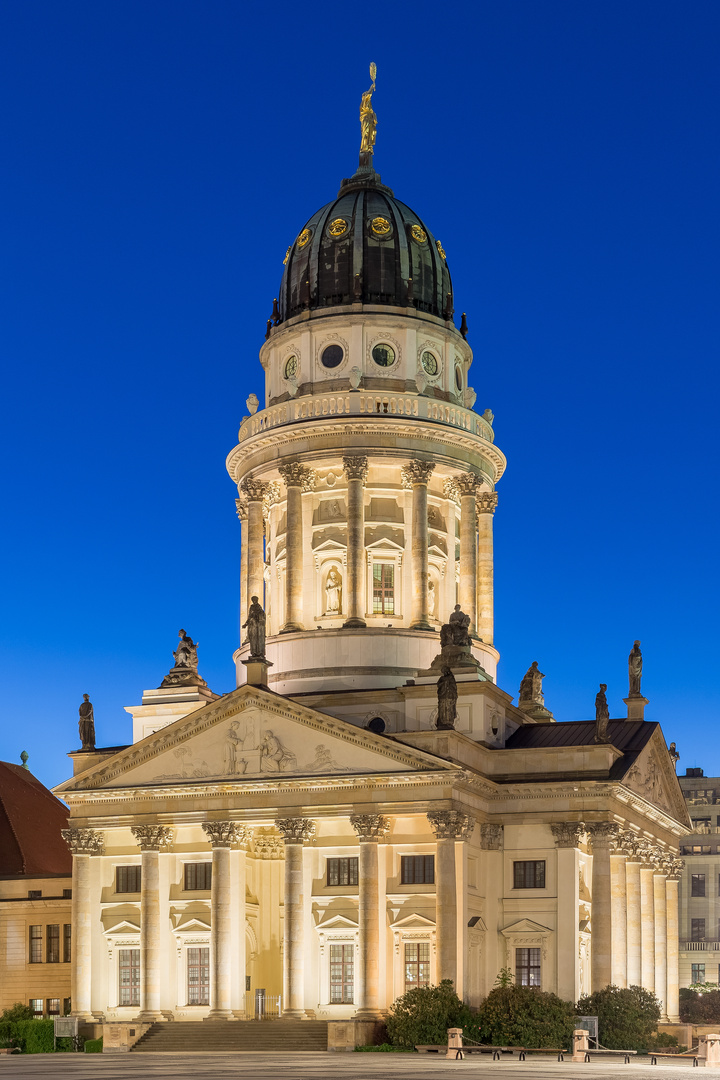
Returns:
<point x="66" y="1006"/>
<point x="52" y="944"/>
<point x="698" y="973"/>
<point x="128" y="879"/>
<point x="53" y="1006"/>
<point x="383" y="588"/>
<point x="529" y="875"/>
<point x="527" y="967"/>
<point x="67" y="894"/>
<point x="34" y="894"/>
<point x="36" y="949"/>
<point x="36" y="1004"/>
<point x="341" y="974"/>
<point x="697" y="929"/>
<point x="417" y="869"/>
<point x="342" y="871"/>
<point x="67" y="943"/>
<point x="198" y="876"/>
<point x="198" y="976"/>
<point x="129" y="976"/>
<point x="417" y="964"/>
<point x="697" y="884"/>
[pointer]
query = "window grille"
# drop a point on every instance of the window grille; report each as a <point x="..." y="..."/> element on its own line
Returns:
<point x="417" y="964"/>
<point x="198" y="976"/>
<point x="36" y="950"/>
<point x="417" y="869"/>
<point x="697" y="884"/>
<point x="529" y="875"/>
<point x="52" y="944"/>
<point x="697" y="929"/>
<point x="342" y="974"/>
<point x="342" y="871"/>
<point x="527" y="967"/>
<point x="383" y="588"/>
<point x="198" y="876"/>
<point x="67" y="943"/>
<point x="128" y="879"/>
<point x="698" y="973"/>
<point x="129" y="976"/>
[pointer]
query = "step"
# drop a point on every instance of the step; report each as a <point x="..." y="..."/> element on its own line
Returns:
<point x="270" y="1036"/>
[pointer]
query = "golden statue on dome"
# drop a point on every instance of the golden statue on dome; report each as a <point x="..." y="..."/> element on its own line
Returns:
<point x="368" y="122"/>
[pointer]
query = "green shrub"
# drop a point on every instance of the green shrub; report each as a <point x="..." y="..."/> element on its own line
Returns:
<point x="93" y="1046"/>
<point x="423" y="1016"/>
<point x="700" y="1006"/>
<point x="662" y="1041"/>
<point x="522" y="1016"/>
<point x="18" y="1012"/>
<point x="384" y="1048"/>
<point x="29" y="1036"/>
<point x="627" y="1017"/>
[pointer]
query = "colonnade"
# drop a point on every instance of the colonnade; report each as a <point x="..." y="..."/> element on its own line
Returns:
<point x="476" y="543"/>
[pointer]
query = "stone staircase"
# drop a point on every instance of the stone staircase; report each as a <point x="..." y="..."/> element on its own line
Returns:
<point x="234" y="1036"/>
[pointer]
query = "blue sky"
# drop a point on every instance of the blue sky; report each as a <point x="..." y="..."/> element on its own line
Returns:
<point x="157" y="159"/>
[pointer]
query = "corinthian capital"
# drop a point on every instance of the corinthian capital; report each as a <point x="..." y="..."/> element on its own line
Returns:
<point x="451" y="824"/>
<point x="450" y="490"/>
<point x="605" y="834"/>
<point x="223" y="833"/>
<point x="152" y="837"/>
<point x="491" y="836"/>
<point x="416" y="472"/>
<point x="467" y="483"/>
<point x="295" y="830"/>
<point x="675" y="868"/>
<point x="568" y="833"/>
<point x="254" y="489"/>
<point x="370" y="827"/>
<point x="356" y="468"/>
<point x="83" y="841"/>
<point x="486" y="502"/>
<point x="241" y="508"/>
<point x="309" y="480"/>
<point x="294" y="474"/>
<point x="271" y="496"/>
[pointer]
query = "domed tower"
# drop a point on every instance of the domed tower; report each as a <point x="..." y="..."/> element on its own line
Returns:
<point x="367" y="482"/>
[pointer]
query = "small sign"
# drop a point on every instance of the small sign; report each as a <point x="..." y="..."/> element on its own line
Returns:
<point x="66" y="1027"/>
<point x="590" y="1024"/>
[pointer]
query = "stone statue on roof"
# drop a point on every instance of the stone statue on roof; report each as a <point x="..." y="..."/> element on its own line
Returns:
<point x="255" y="628"/>
<point x="447" y="693"/>
<point x="86" y="724"/>
<point x="602" y="715"/>
<point x="635" y="666"/>
<point x="531" y="687"/>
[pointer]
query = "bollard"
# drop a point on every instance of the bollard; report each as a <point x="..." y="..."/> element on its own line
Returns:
<point x="455" y="1049"/>
<point x="712" y="1051"/>
<point x="580" y="1044"/>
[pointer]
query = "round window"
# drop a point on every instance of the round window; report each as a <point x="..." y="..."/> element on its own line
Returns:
<point x="429" y="362"/>
<point x="291" y="366"/>
<point x="377" y="725"/>
<point x="458" y="378"/>
<point x="383" y="355"/>
<point x="332" y="356"/>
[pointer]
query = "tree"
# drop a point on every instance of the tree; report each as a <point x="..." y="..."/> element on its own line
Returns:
<point x="422" y="1016"/>
<point x="627" y="1017"/>
<point x="700" y="1004"/>
<point x="17" y="1012"/>
<point x="522" y="1016"/>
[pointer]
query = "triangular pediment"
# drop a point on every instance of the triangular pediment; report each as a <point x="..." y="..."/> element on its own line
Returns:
<point x="337" y="922"/>
<point x="253" y="735"/>
<point x="525" y="926"/>
<point x="653" y="777"/>
<point x="191" y="925"/>
<point x="123" y="927"/>
<point x="413" y="921"/>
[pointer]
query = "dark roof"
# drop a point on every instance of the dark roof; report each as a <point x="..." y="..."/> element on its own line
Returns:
<point x="30" y="822"/>
<point x="628" y="736"/>
<point x="366" y="247"/>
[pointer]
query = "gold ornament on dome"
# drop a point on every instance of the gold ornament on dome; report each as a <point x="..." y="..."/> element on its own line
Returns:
<point x="338" y="227"/>
<point x="380" y="226"/>
<point x="418" y="234"/>
<point x="368" y="121"/>
<point x="441" y="252"/>
<point x="303" y="238"/>
<point x="287" y="256"/>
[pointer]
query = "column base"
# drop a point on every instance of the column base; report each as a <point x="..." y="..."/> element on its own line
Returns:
<point x="294" y="1014"/>
<point x="354" y="624"/>
<point x="422" y="625"/>
<point x="369" y="1014"/>
<point x="220" y="1014"/>
<point x="292" y="628"/>
<point x="149" y="1017"/>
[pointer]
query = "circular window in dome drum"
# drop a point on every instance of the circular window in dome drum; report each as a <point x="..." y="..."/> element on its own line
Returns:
<point x="383" y="355"/>
<point x="332" y="356"/>
<point x="419" y="234"/>
<point x="429" y="362"/>
<point x="380" y="226"/>
<point x="291" y="366"/>
<point x="338" y="227"/>
<point x="303" y="238"/>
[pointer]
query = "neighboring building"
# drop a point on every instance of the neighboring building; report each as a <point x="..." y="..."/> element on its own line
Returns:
<point x="35" y="895"/>
<point x="700" y="881"/>
<point x="314" y="833"/>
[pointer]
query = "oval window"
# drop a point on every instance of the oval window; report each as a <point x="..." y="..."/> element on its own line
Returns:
<point x="458" y="378"/>
<point x="291" y="366"/>
<point x="332" y="356"/>
<point x="383" y="355"/>
<point x="429" y="362"/>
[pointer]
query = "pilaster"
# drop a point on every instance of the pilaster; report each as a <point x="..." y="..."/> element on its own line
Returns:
<point x="152" y="840"/>
<point x="356" y="469"/>
<point x="371" y="830"/>
<point x="486" y="502"/>
<point x="254" y="491"/>
<point x="467" y="484"/>
<point x="295" y="832"/>
<point x="222" y="835"/>
<point x="83" y="843"/>
<point x="416" y="475"/>
<point x="449" y="826"/>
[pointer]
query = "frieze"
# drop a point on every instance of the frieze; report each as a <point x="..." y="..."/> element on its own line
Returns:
<point x="83" y="841"/>
<point x="451" y="824"/>
<point x="370" y="827"/>
<point x="152" y="837"/>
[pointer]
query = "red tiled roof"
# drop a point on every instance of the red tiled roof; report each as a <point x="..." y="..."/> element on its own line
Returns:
<point x="30" y="822"/>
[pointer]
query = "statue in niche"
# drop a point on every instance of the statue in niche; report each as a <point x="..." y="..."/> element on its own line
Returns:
<point x="602" y="715"/>
<point x="333" y="592"/>
<point x="233" y="740"/>
<point x="447" y="693"/>
<point x="431" y="598"/>
<point x="186" y="653"/>
<point x="635" y="666"/>
<point x="457" y="630"/>
<point x="531" y="686"/>
<point x="274" y="756"/>
<point x="86" y="724"/>
<point x="255" y="629"/>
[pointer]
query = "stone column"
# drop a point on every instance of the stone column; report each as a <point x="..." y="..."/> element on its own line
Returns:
<point x="647" y="925"/>
<point x="467" y="484"/>
<point x="371" y="830"/>
<point x="152" y="839"/>
<point x="674" y="868"/>
<point x="356" y="471"/>
<point x="660" y="905"/>
<point x="295" y="832"/>
<point x="568" y="837"/>
<point x="618" y="916"/>
<point x="222" y="835"/>
<point x="242" y="513"/>
<point x="486" y="506"/>
<point x="494" y="953"/>
<point x="448" y="826"/>
<point x="82" y="843"/>
<point x="634" y="913"/>
<point x="604" y="836"/>
<point x="255" y="491"/>
<point x="295" y="476"/>
<point x="415" y="475"/>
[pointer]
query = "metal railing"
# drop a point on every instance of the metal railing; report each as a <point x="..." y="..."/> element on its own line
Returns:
<point x="262" y="1006"/>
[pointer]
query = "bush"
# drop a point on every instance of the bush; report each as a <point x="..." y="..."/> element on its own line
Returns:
<point x="18" y="1012"/>
<point x="662" y="1041"/>
<point x="29" y="1036"/>
<point x="523" y="1016"/>
<point x="699" y="1006"/>
<point x="423" y="1016"/>
<point x="627" y="1018"/>
<point x="93" y="1046"/>
<point x="383" y="1048"/>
